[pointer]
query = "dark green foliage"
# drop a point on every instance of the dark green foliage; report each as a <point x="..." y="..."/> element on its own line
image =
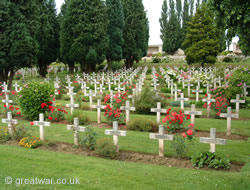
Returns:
<point x="116" y="65"/>
<point x="83" y="119"/>
<point x="156" y="60"/>
<point x="83" y="34"/>
<point x="4" y="135"/>
<point x="144" y="125"/>
<point x="227" y="59"/>
<point x="236" y="16"/>
<point x="89" y="139"/>
<point x="21" y="132"/>
<point x="136" y="31"/>
<point x="146" y="101"/>
<point x="31" y="98"/>
<point x="48" y="36"/>
<point x="106" y="148"/>
<point x="115" y="30"/>
<point x="211" y="160"/>
<point x="18" y="47"/>
<point x="202" y="45"/>
<point x="179" y="145"/>
<point x="166" y="90"/>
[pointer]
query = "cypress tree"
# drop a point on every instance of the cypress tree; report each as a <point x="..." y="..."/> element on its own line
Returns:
<point x="202" y="45"/>
<point x="83" y="34"/>
<point x="136" y="31"/>
<point x="48" y="36"/>
<point x="18" y="48"/>
<point x="115" y="30"/>
<point x="164" y="19"/>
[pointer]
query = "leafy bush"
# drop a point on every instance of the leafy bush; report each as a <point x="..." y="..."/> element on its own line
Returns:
<point x="179" y="145"/>
<point x="156" y="60"/>
<point x="21" y="132"/>
<point x="4" y="135"/>
<point x="166" y="90"/>
<point x="211" y="160"/>
<point x="227" y="59"/>
<point x="31" y="98"/>
<point x="147" y="100"/>
<point x="83" y="119"/>
<point x="65" y="97"/>
<point x="89" y="139"/>
<point x="30" y="142"/>
<point x="178" y="103"/>
<point x="144" y="125"/>
<point x="106" y="148"/>
<point x="116" y="65"/>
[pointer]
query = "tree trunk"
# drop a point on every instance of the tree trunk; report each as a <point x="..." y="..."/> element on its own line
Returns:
<point x="4" y="75"/>
<point x="129" y="63"/>
<point x="71" y="68"/>
<point x="43" y="70"/>
<point x="12" y="74"/>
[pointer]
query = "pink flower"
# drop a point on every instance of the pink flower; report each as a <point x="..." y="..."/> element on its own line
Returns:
<point x="184" y="135"/>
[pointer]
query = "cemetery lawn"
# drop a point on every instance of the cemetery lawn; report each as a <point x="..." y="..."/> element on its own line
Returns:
<point x="98" y="173"/>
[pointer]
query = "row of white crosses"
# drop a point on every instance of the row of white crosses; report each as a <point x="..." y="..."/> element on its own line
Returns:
<point x="71" y="105"/>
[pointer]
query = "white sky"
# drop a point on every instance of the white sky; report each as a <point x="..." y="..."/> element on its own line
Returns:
<point x="153" y="8"/>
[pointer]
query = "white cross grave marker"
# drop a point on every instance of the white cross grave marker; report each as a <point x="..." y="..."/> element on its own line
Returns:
<point x="76" y="128"/>
<point x="128" y="109"/>
<point x="115" y="132"/>
<point x="237" y="101"/>
<point x="158" y="111"/>
<point x="182" y="100"/>
<point x="10" y="122"/>
<point x="98" y="107"/>
<point x="41" y="124"/>
<point x="161" y="136"/>
<point x="193" y="113"/>
<point x="212" y="140"/>
<point x="208" y="100"/>
<point x="229" y="117"/>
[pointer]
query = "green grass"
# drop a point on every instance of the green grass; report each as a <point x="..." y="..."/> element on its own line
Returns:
<point x="98" y="173"/>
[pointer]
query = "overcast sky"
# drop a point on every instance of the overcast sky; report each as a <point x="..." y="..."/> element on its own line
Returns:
<point x="153" y="8"/>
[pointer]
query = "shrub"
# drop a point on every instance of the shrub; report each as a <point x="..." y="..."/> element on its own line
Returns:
<point x="83" y="119"/>
<point x="4" y="135"/>
<point x="211" y="160"/>
<point x="89" y="139"/>
<point x="179" y="145"/>
<point x="106" y="148"/>
<point x="116" y="65"/>
<point x="227" y="59"/>
<point x="166" y="90"/>
<point x="31" y="98"/>
<point x="30" y="142"/>
<point x="156" y="60"/>
<point x="65" y="97"/>
<point x="147" y="100"/>
<point x="144" y="125"/>
<point x="178" y="103"/>
<point x="21" y="132"/>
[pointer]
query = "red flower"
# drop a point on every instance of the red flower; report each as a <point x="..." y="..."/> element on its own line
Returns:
<point x="50" y="118"/>
<point x="59" y="91"/>
<point x="218" y="113"/>
<point x="49" y="103"/>
<point x="188" y="117"/>
<point x="169" y="109"/>
<point x="4" y="105"/>
<point x="18" y="113"/>
<point x="191" y="125"/>
<point x="168" y="127"/>
<point x="56" y="119"/>
<point x="184" y="135"/>
<point x="11" y="108"/>
<point x="189" y="132"/>
<point x="110" y="113"/>
<point x="164" y="120"/>
<point x="75" y="81"/>
<point x="43" y="105"/>
<point x="206" y="94"/>
<point x="31" y="123"/>
<point x="105" y="113"/>
<point x="118" y="101"/>
<point x="17" y="108"/>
